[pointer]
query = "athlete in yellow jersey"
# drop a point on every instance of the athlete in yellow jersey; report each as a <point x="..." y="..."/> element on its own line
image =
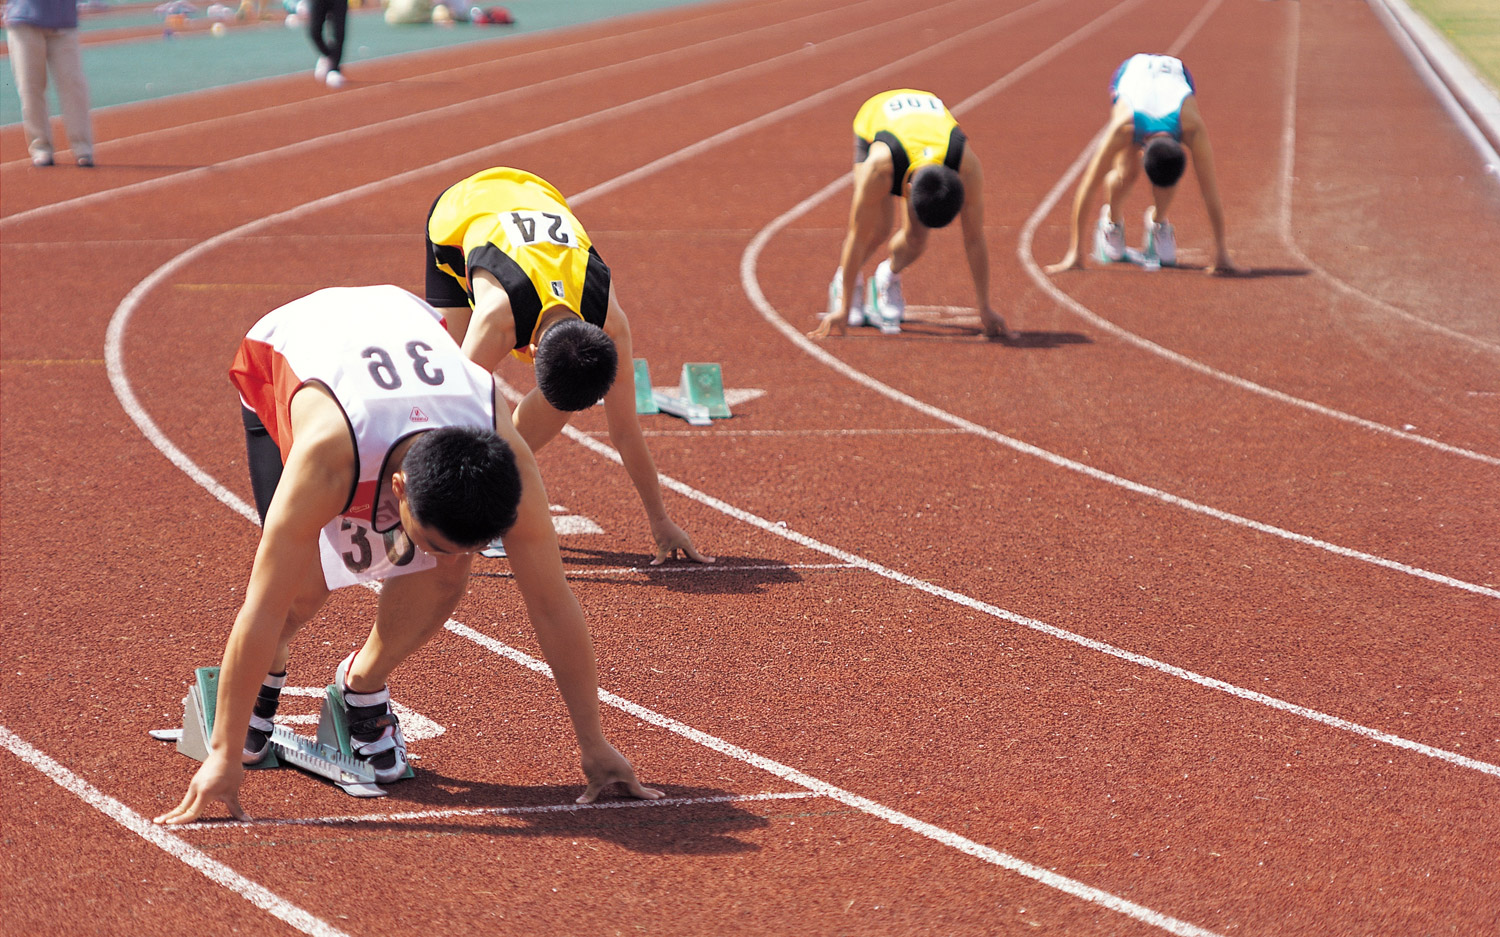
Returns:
<point x="907" y="146"/>
<point x="512" y="270"/>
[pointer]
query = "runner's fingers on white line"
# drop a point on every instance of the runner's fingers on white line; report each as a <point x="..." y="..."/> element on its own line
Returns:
<point x="670" y="539"/>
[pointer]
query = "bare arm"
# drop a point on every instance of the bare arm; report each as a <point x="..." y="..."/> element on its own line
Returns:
<point x="976" y="245"/>
<point x="491" y="331"/>
<point x="560" y="628"/>
<point x="1196" y="136"/>
<point x="626" y="436"/>
<point x="316" y="480"/>
<point x="870" y="216"/>
<point x="1117" y="136"/>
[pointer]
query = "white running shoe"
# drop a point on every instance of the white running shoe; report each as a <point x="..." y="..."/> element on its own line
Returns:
<point x="335" y="79"/>
<point x="856" y="305"/>
<point x="324" y="66"/>
<point x="1161" y="240"/>
<point x="886" y="299"/>
<point x="374" y="731"/>
<point x="1109" y="238"/>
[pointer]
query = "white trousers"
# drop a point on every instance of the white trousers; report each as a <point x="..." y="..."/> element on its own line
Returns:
<point x="33" y="53"/>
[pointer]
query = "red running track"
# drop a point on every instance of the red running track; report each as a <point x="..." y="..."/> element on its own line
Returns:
<point x="1178" y="615"/>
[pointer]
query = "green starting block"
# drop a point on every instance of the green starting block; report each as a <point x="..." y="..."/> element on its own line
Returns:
<point x="645" y="402"/>
<point x="699" y="398"/>
<point x="329" y="757"/>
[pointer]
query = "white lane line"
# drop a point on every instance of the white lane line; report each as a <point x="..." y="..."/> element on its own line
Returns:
<point x="448" y="112"/>
<point x="321" y="103"/>
<point x="1288" y="162"/>
<point x="693" y="570"/>
<point x="167" y="841"/>
<point x="119" y="322"/>
<point x="718" y="430"/>
<point x="1034" y="270"/>
<point x="779" y="529"/>
<point x="749" y="279"/>
<point x="818" y="786"/>
<point x="118" y="379"/>
<point x="460" y="812"/>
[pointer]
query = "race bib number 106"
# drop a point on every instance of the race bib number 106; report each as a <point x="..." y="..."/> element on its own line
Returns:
<point x="913" y="104"/>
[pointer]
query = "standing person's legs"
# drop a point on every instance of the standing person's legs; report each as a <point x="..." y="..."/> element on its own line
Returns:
<point x="317" y="16"/>
<point x="338" y="17"/>
<point x="28" y="60"/>
<point x="66" y="62"/>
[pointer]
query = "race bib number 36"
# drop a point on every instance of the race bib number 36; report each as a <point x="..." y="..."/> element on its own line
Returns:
<point x="352" y="552"/>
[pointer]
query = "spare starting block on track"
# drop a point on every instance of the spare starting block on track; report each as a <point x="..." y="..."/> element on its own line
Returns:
<point x="699" y="398"/>
<point x="328" y="757"/>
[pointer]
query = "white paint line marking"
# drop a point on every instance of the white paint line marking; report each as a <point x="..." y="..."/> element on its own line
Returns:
<point x="791" y="775"/>
<point x="1028" y="261"/>
<point x="1211" y="683"/>
<point x="297" y="109"/>
<point x="710" y="569"/>
<point x="1288" y="162"/>
<point x="498" y="811"/>
<point x="1069" y="886"/>
<point x="720" y="430"/>
<point x="167" y="841"/>
<point x="487" y="103"/>
<point x="750" y="281"/>
<point x="118" y="380"/>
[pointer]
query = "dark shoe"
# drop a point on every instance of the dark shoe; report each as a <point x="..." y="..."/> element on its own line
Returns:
<point x="374" y="730"/>
<point x="85" y="162"/>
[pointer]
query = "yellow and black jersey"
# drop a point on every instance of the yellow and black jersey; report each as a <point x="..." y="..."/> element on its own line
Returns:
<point x="518" y="227"/>
<point x="915" y="125"/>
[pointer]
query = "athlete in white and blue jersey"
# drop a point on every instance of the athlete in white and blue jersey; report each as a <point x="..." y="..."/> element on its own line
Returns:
<point x="1155" y="114"/>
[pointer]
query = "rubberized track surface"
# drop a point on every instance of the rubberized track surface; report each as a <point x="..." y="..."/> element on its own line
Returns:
<point x="1180" y="614"/>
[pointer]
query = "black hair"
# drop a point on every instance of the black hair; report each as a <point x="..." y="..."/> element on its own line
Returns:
<point x="1164" y="161"/>
<point x="575" y="364"/>
<point x="462" y="481"/>
<point x="936" y="195"/>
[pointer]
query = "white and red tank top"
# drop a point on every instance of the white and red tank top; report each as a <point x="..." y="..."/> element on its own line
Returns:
<point x="387" y="359"/>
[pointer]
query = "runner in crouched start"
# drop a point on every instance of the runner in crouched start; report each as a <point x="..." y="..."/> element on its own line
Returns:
<point x="513" y="271"/>
<point x="1153" y="124"/>
<point x="377" y="451"/>
<point x="908" y="151"/>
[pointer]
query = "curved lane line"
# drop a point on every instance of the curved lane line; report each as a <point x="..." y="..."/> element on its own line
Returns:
<point x="1288" y="162"/>
<point x="448" y="111"/>
<point x="120" y="382"/>
<point x="167" y="841"/>
<point x="1062" y="634"/>
<point x="1028" y="261"/>
<point x="750" y="281"/>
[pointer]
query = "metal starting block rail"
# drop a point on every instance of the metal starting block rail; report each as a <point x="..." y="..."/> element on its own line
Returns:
<point x="329" y="756"/>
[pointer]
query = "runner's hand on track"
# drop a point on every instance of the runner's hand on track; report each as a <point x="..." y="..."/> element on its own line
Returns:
<point x="832" y="324"/>
<point x="994" y="325"/>
<point x="217" y="781"/>
<point x="669" y="539"/>
<point x="607" y="766"/>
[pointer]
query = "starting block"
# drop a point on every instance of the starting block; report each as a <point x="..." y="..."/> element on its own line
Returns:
<point x="328" y="757"/>
<point x="699" y="398"/>
<point x="645" y="401"/>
